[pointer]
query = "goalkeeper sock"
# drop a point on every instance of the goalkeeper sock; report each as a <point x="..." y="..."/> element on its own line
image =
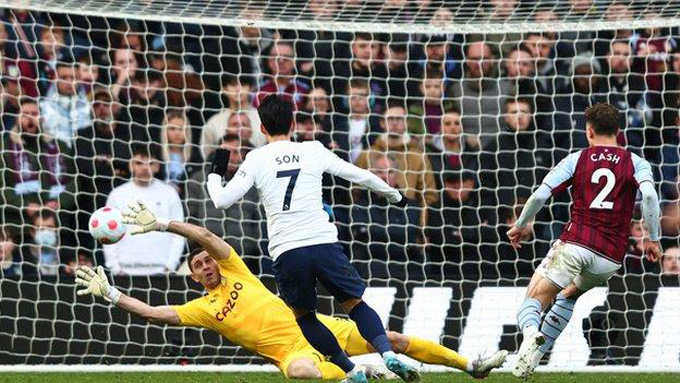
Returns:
<point x="529" y="316"/>
<point x="370" y="327"/>
<point x="330" y="371"/>
<point x="555" y="322"/>
<point x="429" y="352"/>
<point x="323" y="340"/>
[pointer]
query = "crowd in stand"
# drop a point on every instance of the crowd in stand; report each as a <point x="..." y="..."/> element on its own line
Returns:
<point x="102" y="111"/>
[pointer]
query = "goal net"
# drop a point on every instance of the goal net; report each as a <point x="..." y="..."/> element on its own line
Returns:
<point x="463" y="105"/>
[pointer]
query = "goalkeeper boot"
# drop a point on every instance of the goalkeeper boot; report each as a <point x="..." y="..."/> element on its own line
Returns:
<point x="403" y="370"/>
<point x="482" y="366"/>
<point x="525" y="365"/>
<point x="356" y="376"/>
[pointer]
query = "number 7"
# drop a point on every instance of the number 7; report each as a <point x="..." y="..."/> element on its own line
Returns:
<point x="293" y="174"/>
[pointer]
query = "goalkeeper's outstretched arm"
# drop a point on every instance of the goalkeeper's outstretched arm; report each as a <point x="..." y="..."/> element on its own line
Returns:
<point x="144" y="221"/>
<point x="97" y="284"/>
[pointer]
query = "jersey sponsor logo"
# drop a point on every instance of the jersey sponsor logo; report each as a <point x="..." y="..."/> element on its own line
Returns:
<point x="231" y="302"/>
<point x="288" y="159"/>
<point x="611" y="157"/>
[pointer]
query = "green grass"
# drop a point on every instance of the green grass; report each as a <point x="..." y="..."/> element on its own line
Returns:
<point x="210" y="377"/>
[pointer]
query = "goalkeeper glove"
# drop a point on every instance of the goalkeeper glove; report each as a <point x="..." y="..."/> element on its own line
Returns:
<point x="402" y="202"/>
<point x="143" y="219"/>
<point x="96" y="284"/>
<point x="220" y="163"/>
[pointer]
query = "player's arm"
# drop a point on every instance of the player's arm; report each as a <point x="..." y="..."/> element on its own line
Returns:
<point x="345" y="170"/>
<point x="650" y="207"/>
<point x="97" y="284"/>
<point x="144" y="221"/>
<point x="225" y="196"/>
<point x="553" y="183"/>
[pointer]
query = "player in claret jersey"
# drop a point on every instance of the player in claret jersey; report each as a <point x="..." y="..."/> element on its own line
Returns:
<point x="604" y="182"/>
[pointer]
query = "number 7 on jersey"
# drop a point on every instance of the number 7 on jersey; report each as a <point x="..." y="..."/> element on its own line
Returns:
<point x="293" y="174"/>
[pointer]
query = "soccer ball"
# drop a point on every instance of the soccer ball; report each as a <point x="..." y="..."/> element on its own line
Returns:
<point x="106" y="225"/>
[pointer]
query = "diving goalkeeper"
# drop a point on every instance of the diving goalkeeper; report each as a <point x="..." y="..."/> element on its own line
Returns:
<point x="244" y="311"/>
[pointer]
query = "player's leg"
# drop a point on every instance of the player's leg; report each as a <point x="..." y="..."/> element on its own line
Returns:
<point x="294" y="273"/>
<point x="557" y="270"/>
<point x="596" y="272"/>
<point x="312" y="368"/>
<point x="338" y="276"/>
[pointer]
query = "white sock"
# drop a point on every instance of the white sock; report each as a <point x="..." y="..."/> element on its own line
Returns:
<point x="469" y="367"/>
<point x="529" y="331"/>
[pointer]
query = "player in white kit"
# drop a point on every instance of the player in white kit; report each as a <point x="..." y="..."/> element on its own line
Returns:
<point x="302" y="240"/>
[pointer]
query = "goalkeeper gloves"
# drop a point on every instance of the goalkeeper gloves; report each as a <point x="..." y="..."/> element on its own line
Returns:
<point x="143" y="219"/>
<point x="402" y="202"/>
<point x="96" y="284"/>
<point x="220" y="163"/>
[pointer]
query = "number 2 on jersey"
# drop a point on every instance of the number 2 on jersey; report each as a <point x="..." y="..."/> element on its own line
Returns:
<point x="293" y="174"/>
<point x="599" y="200"/>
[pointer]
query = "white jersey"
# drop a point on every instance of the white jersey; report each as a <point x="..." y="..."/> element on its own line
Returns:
<point x="287" y="176"/>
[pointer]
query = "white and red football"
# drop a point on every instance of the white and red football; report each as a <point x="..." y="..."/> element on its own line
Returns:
<point x="106" y="225"/>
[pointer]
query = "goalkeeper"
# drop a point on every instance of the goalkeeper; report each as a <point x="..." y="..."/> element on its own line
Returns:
<point x="243" y="310"/>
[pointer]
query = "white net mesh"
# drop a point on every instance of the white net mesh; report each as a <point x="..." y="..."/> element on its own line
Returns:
<point x="483" y="100"/>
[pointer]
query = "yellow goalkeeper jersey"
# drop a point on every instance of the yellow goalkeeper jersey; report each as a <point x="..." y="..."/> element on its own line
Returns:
<point x="245" y="312"/>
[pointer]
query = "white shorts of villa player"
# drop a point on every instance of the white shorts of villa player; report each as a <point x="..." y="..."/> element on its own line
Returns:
<point x="569" y="262"/>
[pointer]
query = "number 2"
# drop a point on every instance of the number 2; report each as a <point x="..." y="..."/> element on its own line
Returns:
<point x="599" y="200"/>
<point x="293" y="174"/>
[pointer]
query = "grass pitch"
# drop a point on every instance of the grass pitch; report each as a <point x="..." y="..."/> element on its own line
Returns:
<point x="210" y="377"/>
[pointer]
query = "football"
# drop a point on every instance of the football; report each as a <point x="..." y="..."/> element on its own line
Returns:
<point x="106" y="225"/>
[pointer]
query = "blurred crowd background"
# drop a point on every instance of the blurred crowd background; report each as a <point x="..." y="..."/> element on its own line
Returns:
<point x="101" y="111"/>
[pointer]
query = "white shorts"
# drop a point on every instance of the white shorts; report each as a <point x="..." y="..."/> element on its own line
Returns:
<point x="566" y="263"/>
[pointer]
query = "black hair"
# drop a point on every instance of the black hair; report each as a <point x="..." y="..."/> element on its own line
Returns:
<point x="604" y="118"/>
<point x="230" y="79"/>
<point x="27" y="100"/>
<point x="146" y="150"/>
<point x="196" y="251"/>
<point x="276" y="115"/>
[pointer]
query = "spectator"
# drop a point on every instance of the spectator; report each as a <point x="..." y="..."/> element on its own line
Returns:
<point x="162" y="251"/>
<point x="452" y="150"/>
<point x="670" y="160"/>
<point x="425" y="114"/>
<point x="241" y="223"/>
<point x="364" y="65"/>
<point x="10" y="257"/>
<point x="400" y="71"/>
<point x="37" y="171"/>
<point x="585" y="87"/>
<point x="88" y="74"/>
<point x="50" y="51"/>
<point x="19" y="72"/>
<point x="652" y="47"/>
<point x="124" y="67"/>
<point x="516" y="160"/>
<point x="438" y="58"/>
<point x="670" y="222"/>
<point x="102" y="152"/>
<point x="10" y="93"/>
<point x="381" y="234"/>
<point x="145" y="105"/>
<point x="26" y="30"/>
<point x="65" y="109"/>
<point x="282" y="77"/>
<point x="480" y="94"/>
<point x="519" y="68"/>
<point x="179" y="155"/>
<point x="670" y="262"/>
<point x="542" y="48"/>
<point x="236" y="96"/>
<point x="76" y="257"/>
<point x="627" y="91"/>
<point x="41" y="254"/>
<point x="362" y="127"/>
<point x="319" y="106"/>
<point x="307" y="129"/>
<point x="420" y="182"/>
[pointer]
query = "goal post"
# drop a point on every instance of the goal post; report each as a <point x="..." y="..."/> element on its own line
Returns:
<point x="484" y="97"/>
